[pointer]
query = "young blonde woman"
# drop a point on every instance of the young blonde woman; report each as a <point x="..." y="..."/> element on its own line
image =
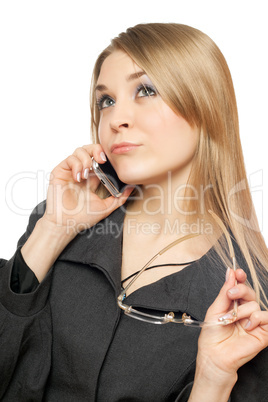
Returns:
<point x="105" y="298"/>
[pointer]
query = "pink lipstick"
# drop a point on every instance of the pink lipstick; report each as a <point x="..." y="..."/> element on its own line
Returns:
<point x="123" y="147"/>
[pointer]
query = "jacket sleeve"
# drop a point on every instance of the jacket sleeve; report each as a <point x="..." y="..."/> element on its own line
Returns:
<point x="25" y="332"/>
<point x="185" y="393"/>
<point x="23" y="279"/>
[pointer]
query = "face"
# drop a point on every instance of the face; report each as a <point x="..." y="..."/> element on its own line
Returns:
<point x="141" y="135"/>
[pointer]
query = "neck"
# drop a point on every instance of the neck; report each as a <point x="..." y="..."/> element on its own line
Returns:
<point x="162" y="204"/>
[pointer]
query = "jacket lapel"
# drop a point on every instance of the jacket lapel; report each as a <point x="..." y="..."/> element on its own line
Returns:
<point x="191" y="290"/>
<point x="100" y="246"/>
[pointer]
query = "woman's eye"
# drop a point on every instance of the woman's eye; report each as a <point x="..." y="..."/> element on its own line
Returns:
<point x="104" y="102"/>
<point x="145" y="90"/>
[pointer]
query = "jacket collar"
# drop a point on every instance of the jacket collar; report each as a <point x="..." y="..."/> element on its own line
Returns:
<point x="100" y="246"/>
<point x="191" y="290"/>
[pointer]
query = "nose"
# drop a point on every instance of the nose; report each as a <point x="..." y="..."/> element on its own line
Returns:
<point x="118" y="125"/>
<point x="122" y="118"/>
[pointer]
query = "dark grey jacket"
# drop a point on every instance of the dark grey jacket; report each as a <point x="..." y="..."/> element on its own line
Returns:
<point x="68" y="340"/>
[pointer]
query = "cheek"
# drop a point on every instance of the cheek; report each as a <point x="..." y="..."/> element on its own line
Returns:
<point x="153" y="124"/>
<point x="164" y="125"/>
<point x="175" y="122"/>
<point x="180" y="130"/>
<point x="102" y="133"/>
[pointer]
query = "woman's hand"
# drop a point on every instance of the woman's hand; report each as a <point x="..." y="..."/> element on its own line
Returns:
<point x="223" y="349"/>
<point x="72" y="206"/>
<point x="71" y="201"/>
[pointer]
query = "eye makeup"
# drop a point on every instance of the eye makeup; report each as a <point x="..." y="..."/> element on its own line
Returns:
<point x="104" y="101"/>
<point x="142" y="91"/>
<point x="148" y="90"/>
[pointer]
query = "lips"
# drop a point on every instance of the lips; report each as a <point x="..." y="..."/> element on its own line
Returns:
<point x="123" y="147"/>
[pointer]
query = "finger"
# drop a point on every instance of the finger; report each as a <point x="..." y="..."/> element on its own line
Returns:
<point x="86" y="153"/>
<point x="257" y="319"/>
<point x="75" y="165"/>
<point x="93" y="181"/>
<point x="244" y="311"/>
<point x="223" y="303"/>
<point x="241" y="291"/>
<point x="241" y="276"/>
<point x="96" y="151"/>
<point x="85" y="159"/>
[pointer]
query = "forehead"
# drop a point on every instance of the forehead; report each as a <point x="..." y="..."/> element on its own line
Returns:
<point x="117" y="64"/>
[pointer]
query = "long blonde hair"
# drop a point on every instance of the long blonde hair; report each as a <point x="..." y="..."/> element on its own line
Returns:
<point x="193" y="78"/>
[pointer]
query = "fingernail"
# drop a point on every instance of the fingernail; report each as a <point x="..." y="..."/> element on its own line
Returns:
<point x="78" y="177"/>
<point x="227" y="274"/>
<point x="233" y="291"/>
<point x="228" y="316"/>
<point x="103" y="157"/>
<point x="86" y="172"/>
<point x="247" y="324"/>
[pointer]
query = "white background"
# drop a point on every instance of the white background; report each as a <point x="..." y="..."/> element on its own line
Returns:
<point x="47" y="51"/>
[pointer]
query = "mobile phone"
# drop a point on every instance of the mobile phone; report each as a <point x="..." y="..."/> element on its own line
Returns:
<point x="108" y="177"/>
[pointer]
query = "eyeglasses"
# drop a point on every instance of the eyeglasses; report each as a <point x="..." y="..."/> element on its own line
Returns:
<point x="170" y="317"/>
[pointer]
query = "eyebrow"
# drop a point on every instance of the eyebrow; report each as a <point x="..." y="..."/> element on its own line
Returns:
<point x="129" y="78"/>
<point x="136" y="75"/>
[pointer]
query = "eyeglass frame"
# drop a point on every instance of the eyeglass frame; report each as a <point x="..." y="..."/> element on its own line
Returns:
<point x="170" y="317"/>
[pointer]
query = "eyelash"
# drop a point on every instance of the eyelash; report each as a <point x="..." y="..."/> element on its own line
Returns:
<point x="148" y="88"/>
<point x="101" y="100"/>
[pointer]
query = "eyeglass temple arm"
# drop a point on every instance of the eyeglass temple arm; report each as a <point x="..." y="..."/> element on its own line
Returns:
<point x="189" y="236"/>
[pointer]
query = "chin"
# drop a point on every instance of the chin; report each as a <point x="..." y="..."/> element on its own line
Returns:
<point x="131" y="179"/>
<point x="138" y="174"/>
